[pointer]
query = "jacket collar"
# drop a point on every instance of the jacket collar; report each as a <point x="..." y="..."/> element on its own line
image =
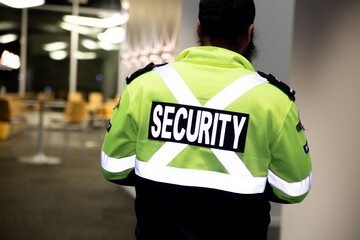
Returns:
<point x="214" y="56"/>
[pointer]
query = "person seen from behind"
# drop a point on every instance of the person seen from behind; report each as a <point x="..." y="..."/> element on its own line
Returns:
<point x="207" y="141"/>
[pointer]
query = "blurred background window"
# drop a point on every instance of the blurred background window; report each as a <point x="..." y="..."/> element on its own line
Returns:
<point x="50" y="66"/>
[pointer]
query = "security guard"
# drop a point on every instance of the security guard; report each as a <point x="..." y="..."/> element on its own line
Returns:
<point x="207" y="141"/>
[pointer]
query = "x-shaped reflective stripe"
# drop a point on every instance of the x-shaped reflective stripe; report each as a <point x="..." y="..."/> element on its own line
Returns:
<point x="220" y="101"/>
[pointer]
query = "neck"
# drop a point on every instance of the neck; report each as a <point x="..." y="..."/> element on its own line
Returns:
<point x="233" y="44"/>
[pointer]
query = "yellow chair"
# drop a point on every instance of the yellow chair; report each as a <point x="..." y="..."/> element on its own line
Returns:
<point x="5" y="129"/>
<point x="75" y="112"/>
<point x="45" y="96"/>
<point x="75" y="97"/>
<point x="95" y="101"/>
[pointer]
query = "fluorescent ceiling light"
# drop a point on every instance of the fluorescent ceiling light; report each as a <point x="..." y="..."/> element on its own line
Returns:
<point x="22" y="3"/>
<point x="90" y="44"/>
<point x="58" y="55"/>
<point x="55" y="46"/>
<point x="85" y="55"/>
<point x="7" y="38"/>
<point x="9" y="61"/>
<point x="112" y="35"/>
<point x="80" y="29"/>
<point x="112" y="21"/>
<point x="108" y="46"/>
<point x="125" y="4"/>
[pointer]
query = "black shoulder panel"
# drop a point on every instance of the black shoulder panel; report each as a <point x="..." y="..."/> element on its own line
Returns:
<point x="141" y="71"/>
<point x="276" y="82"/>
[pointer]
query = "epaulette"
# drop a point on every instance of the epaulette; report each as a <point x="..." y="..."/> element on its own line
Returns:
<point x="141" y="71"/>
<point x="276" y="82"/>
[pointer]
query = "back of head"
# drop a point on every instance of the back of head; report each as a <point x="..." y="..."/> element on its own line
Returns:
<point x="225" y="18"/>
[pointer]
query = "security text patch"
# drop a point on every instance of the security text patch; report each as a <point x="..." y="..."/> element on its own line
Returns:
<point x="198" y="126"/>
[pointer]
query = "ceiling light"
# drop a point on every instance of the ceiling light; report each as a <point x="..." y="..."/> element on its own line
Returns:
<point x="90" y="44"/>
<point x="108" y="46"/>
<point x="112" y="21"/>
<point x="112" y="35"/>
<point x="9" y="61"/>
<point x="22" y="3"/>
<point x="55" y="46"/>
<point x="58" y="55"/>
<point x="7" y="38"/>
<point x="125" y="4"/>
<point x="85" y="55"/>
<point x="80" y="29"/>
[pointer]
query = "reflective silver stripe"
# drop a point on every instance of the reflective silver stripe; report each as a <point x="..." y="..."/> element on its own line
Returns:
<point x="229" y="159"/>
<point x="231" y="162"/>
<point x="167" y="153"/>
<point x="235" y="90"/>
<point x="292" y="189"/>
<point x="116" y="165"/>
<point x="200" y="178"/>
<point x="177" y="86"/>
<point x="220" y="101"/>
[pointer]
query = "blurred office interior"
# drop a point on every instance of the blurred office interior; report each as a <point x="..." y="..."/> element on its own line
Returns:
<point x="63" y="68"/>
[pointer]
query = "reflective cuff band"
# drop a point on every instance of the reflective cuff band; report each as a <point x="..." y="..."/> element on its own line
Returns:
<point x="294" y="189"/>
<point x="116" y="165"/>
<point x="200" y="178"/>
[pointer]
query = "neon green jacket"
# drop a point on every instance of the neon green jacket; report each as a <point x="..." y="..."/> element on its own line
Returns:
<point x="209" y="120"/>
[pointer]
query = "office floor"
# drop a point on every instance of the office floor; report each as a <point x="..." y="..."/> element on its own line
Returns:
<point x="70" y="200"/>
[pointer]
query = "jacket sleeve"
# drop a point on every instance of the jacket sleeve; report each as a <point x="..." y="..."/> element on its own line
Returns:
<point x="118" y="151"/>
<point x="289" y="175"/>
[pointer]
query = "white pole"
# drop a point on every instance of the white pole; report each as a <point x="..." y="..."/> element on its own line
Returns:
<point x="23" y="51"/>
<point x="73" y="51"/>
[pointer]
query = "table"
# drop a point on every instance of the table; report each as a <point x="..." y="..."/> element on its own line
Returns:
<point x="40" y="157"/>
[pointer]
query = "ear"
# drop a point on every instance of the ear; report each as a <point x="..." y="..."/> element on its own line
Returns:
<point x="250" y="33"/>
<point x="198" y="30"/>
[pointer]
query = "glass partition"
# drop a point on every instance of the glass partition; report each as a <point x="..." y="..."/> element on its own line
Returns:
<point x="49" y="46"/>
<point x="10" y="31"/>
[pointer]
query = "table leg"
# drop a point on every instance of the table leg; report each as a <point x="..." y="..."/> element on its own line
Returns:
<point x="40" y="157"/>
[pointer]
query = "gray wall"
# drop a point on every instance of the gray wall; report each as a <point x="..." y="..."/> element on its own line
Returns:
<point x="273" y="37"/>
<point x="189" y="19"/>
<point x="325" y="73"/>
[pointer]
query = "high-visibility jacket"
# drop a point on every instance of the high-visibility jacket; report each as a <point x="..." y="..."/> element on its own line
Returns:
<point x="206" y="127"/>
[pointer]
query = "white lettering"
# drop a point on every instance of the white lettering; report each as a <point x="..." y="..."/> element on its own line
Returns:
<point x="205" y="124"/>
<point x="198" y="126"/>
<point x="214" y="131"/>
<point x="155" y="131"/>
<point x="167" y="122"/>
<point x="179" y="135"/>
<point x="224" y="118"/>
<point x="191" y="137"/>
<point x="238" y="129"/>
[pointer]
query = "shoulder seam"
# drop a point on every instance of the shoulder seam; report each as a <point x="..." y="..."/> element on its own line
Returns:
<point x="277" y="83"/>
<point x="141" y="71"/>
